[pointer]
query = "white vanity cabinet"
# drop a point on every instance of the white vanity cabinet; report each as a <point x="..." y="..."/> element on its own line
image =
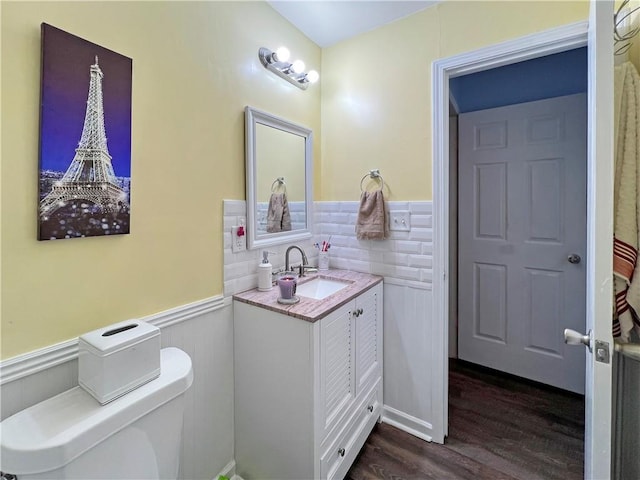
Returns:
<point x="307" y="394"/>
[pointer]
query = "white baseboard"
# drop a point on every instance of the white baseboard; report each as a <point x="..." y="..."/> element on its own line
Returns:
<point x="407" y="423"/>
<point x="42" y="359"/>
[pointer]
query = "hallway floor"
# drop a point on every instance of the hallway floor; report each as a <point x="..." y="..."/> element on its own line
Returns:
<point x="501" y="427"/>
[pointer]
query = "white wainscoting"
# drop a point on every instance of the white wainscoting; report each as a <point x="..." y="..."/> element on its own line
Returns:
<point x="204" y="330"/>
<point x="408" y="385"/>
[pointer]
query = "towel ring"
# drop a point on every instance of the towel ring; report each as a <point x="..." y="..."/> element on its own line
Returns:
<point x="373" y="174"/>
<point x="277" y="183"/>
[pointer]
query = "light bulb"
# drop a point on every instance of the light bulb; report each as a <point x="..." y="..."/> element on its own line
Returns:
<point x="313" y="76"/>
<point x="282" y="54"/>
<point x="297" y="66"/>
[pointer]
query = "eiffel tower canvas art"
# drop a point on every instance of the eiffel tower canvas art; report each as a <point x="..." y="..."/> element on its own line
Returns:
<point x="85" y="139"/>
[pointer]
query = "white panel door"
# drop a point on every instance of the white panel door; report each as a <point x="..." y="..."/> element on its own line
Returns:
<point x="522" y="238"/>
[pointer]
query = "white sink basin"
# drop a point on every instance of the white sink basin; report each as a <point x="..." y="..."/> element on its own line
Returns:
<point x="320" y="287"/>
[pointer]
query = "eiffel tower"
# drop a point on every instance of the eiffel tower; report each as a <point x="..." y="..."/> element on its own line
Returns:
<point x="90" y="175"/>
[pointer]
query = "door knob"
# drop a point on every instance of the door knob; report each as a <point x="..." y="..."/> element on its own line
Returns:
<point x="574" y="258"/>
<point x="571" y="337"/>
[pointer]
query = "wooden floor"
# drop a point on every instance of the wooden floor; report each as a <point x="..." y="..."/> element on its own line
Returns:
<point x="500" y="427"/>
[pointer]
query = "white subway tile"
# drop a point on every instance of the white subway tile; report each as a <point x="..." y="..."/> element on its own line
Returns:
<point x="409" y="250"/>
<point x="421" y="207"/>
<point x="339" y="262"/>
<point x="346" y="229"/>
<point x="426" y="276"/>
<point x="229" y="288"/>
<point x="420" y="221"/>
<point x="360" y="266"/>
<point x="382" y="245"/>
<point x="246" y="283"/>
<point x="228" y="222"/>
<point x="427" y="248"/>
<point x="339" y="217"/>
<point x="406" y="246"/>
<point x="238" y="270"/>
<point x="234" y="207"/>
<point x="423" y="234"/>
<point x="351" y="207"/>
<point x="396" y="258"/>
<point x="420" y="261"/>
<point x="397" y="206"/>
<point x="408" y="273"/>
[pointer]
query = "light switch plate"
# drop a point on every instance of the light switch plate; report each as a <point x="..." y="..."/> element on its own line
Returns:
<point x="400" y="221"/>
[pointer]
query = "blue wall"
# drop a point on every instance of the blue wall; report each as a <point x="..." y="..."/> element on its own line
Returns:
<point x="545" y="77"/>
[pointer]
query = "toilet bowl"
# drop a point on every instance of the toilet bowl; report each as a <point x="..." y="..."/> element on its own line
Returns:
<point x="72" y="436"/>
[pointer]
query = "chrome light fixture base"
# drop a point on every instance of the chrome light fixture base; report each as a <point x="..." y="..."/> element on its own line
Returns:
<point x="283" y="69"/>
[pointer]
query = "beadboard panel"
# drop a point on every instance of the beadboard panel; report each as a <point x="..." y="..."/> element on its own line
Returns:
<point x="202" y="329"/>
<point x="408" y="379"/>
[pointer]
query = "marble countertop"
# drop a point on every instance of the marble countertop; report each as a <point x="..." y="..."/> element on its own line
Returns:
<point x="310" y="309"/>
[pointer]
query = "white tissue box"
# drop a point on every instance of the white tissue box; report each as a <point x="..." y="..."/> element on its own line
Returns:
<point x="117" y="359"/>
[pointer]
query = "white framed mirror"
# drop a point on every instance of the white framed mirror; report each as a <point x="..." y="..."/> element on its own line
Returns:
<point x="279" y="166"/>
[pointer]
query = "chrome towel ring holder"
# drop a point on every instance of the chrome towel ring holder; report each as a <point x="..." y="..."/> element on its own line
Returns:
<point x="375" y="174"/>
<point x="278" y="183"/>
<point x="622" y="40"/>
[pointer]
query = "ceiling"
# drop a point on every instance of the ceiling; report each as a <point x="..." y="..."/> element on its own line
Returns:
<point x="327" y="22"/>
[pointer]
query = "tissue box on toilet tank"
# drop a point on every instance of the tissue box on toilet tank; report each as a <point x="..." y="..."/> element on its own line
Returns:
<point x="117" y="359"/>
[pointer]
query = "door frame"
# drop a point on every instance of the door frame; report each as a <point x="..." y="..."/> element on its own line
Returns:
<point x="599" y="297"/>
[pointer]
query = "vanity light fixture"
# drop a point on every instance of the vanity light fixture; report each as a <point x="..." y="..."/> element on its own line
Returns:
<point x="278" y="63"/>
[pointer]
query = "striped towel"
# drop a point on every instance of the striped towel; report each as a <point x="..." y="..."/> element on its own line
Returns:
<point x="626" y="283"/>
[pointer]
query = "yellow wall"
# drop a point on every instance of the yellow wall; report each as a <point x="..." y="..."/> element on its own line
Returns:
<point x="376" y="89"/>
<point x="279" y="154"/>
<point x="195" y="67"/>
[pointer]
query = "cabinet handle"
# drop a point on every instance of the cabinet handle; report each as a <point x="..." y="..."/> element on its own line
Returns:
<point x="341" y="452"/>
<point x="356" y="314"/>
<point x="360" y="312"/>
<point x="370" y="408"/>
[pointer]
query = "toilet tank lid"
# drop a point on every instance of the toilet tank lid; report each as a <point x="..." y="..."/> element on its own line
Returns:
<point x="52" y="433"/>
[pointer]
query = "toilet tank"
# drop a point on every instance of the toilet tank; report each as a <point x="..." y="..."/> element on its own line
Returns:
<point x="72" y="436"/>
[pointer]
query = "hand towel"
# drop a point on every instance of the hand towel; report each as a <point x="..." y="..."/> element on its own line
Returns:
<point x="626" y="279"/>
<point x="372" y="221"/>
<point x="278" y="215"/>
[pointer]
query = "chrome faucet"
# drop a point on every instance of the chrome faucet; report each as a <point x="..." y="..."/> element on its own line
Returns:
<point x="304" y="259"/>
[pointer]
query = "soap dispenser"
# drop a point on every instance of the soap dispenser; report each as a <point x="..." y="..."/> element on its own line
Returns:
<point x="264" y="273"/>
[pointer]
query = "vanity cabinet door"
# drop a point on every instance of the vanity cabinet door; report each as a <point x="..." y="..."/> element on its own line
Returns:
<point x="337" y="382"/>
<point x="368" y="360"/>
